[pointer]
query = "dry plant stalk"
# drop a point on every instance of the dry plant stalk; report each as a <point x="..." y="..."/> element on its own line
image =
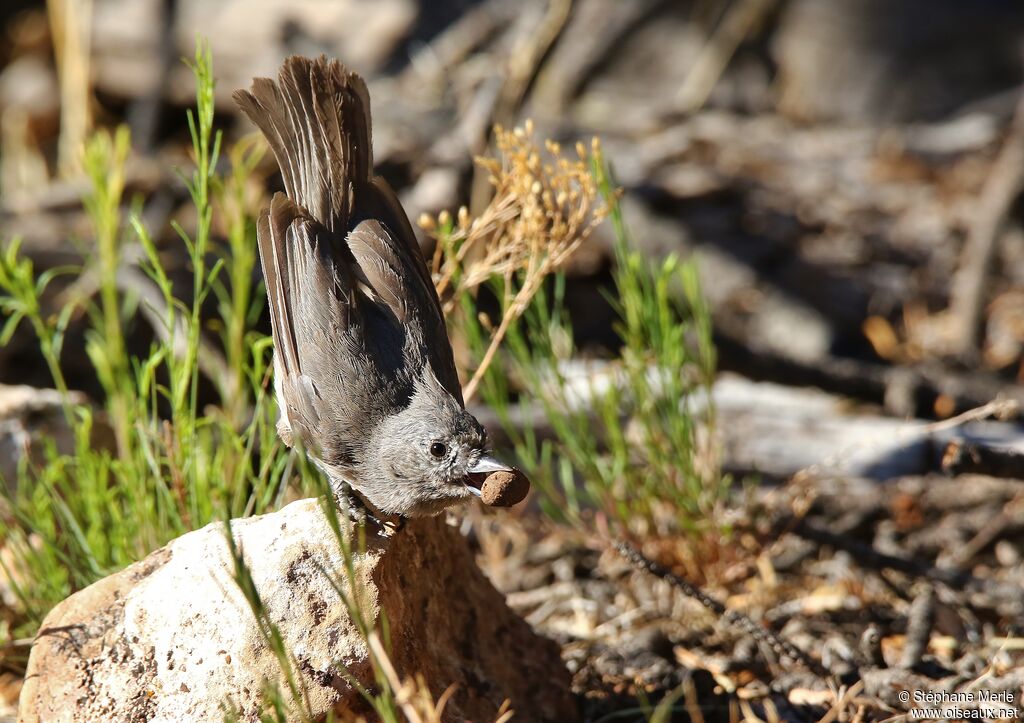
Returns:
<point x="412" y="694"/>
<point x="544" y="207"/>
<point x="71" y="23"/>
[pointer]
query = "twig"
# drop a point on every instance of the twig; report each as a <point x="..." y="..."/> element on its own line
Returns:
<point x="514" y="310"/>
<point x="781" y="646"/>
<point x="865" y="554"/>
<point x="741" y="19"/>
<point x="964" y="457"/>
<point x="995" y="202"/>
<point x="1001" y="409"/>
<point x="913" y="432"/>
<point x="954" y="581"/>
<point x="430" y="64"/>
<point x="845" y="697"/>
<point x="71" y="24"/>
<point x="527" y="56"/>
<point x="598" y="30"/>
<point x="1005" y="521"/>
<point x="920" y="620"/>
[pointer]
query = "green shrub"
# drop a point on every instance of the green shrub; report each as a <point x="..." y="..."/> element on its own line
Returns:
<point x="173" y="466"/>
<point x="622" y="437"/>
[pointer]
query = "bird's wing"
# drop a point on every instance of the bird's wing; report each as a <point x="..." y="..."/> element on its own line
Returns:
<point x="355" y="319"/>
<point x="394" y="275"/>
<point x="329" y="384"/>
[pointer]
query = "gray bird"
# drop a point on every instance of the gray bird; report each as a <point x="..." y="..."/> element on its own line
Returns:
<point x="364" y="372"/>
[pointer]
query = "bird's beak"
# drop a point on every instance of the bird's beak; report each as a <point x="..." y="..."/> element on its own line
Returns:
<point x="479" y="471"/>
<point x="487" y="464"/>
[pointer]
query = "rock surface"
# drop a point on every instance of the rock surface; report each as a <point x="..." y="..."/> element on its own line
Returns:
<point x="171" y="638"/>
<point x="29" y="418"/>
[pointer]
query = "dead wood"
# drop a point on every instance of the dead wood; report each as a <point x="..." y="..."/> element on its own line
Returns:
<point x="970" y="287"/>
<point x="764" y="636"/>
<point x="868" y="556"/>
<point x="970" y="457"/>
<point x="920" y="620"/>
<point x="904" y="391"/>
<point x="597" y="30"/>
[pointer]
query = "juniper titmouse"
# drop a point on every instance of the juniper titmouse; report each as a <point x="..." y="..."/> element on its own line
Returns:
<point x="364" y="372"/>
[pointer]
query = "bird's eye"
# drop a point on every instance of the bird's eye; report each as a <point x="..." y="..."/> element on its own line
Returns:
<point x="438" y="449"/>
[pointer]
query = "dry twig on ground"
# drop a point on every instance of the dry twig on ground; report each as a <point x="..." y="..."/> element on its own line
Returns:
<point x="969" y="287"/>
<point x="781" y="646"/>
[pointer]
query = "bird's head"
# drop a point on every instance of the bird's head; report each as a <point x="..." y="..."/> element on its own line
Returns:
<point x="429" y="456"/>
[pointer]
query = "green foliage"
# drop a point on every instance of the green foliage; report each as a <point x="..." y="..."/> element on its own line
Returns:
<point x="623" y="436"/>
<point x="171" y="466"/>
<point x="21" y="301"/>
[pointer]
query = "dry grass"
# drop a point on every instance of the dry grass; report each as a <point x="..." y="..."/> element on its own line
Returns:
<point x="71" y="23"/>
<point x="412" y="695"/>
<point x="544" y="207"/>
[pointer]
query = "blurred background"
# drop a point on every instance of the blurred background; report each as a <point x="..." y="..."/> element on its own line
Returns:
<point x="834" y="165"/>
<point x="847" y="177"/>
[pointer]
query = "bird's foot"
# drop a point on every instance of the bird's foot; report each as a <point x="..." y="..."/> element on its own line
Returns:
<point x="360" y="512"/>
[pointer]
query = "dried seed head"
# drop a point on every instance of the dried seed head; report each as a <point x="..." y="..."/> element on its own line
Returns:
<point x="544" y="206"/>
<point x="426" y="222"/>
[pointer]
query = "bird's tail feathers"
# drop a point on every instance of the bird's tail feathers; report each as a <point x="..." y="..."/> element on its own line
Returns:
<point x="316" y="118"/>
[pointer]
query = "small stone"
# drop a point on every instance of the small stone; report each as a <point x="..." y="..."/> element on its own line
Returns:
<point x="504" y="488"/>
<point x="1007" y="553"/>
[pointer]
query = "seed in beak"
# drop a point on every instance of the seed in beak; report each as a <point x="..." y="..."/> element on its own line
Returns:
<point x="504" y="488"/>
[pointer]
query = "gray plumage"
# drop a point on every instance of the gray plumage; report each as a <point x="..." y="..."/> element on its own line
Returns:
<point x="364" y="372"/>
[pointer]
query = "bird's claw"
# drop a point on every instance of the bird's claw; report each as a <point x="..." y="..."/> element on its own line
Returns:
<point x="359" y="512"/>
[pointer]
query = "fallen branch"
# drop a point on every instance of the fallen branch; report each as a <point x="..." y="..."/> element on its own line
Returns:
<point x="970" y="287"/>
<point x="920" y="620"/>
<point x="966" y="457"/>
<point x="866" y="555"/>
<point x="740" y="22"/>
<point x="904" y="391"/>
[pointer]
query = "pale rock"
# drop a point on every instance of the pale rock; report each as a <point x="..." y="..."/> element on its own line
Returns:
<point x="30" y="418"/>
<point x="171" y="638"/>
